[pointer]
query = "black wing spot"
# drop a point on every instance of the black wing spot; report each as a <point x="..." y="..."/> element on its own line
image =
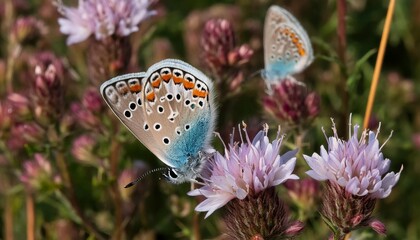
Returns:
<point x="133" y="106"/>
<point x="127" y="114"/>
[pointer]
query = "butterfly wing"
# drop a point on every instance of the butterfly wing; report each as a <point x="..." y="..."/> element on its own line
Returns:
<point x="185" y="110"/>
<point x="174" y="113"/>
<point x="287" y="48"/>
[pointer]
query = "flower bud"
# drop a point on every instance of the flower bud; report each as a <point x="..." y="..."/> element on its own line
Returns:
<point x="82" y="150"/>
<point x="303" y="192"/>
<point x="27" y="30"/>
<point x="378" y="226"/>
<point x="37" y="172"/>
<point x="20" y="105"/>
<point x="84" y="117"/>
<point x="92" y="101"/>
<point x="48" y="94"/>
<point x="290" y="102"/>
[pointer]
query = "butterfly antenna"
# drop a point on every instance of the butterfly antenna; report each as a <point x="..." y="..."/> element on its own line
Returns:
<point x="144" y="175"/>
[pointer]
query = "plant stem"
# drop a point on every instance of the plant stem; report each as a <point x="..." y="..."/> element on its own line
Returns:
<point x="196" y="222"/>
<point x="115" y="191"/>
<point x="30" y="216"/>
<point x="342" y="46"/>
<point x="379" y="60"/>
<point x="8" y="219"/>
<point x="70" y="194"/>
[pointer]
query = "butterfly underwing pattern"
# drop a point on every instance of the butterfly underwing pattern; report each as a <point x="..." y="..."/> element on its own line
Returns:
<point x="287" y="48"/>
<point x="170" y="109"/>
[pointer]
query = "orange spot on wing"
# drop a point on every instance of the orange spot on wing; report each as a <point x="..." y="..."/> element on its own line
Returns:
<point x="150" y="97"/>
<point x="177" y="80"/>
<point x="188" y="84"/>
<point x="166" y="77"/>
<point x="156" y="83"/>
<point x="135" y="88"/>
<point x="198" y="93"/>
<point x="123" y="90"/>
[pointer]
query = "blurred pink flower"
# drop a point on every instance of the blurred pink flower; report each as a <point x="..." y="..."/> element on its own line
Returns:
<point x="25" y="133"/>
<point x="82" y="149"/>
<point x="303" y="191"/>
<point x="92" y="100"/>
<point x="246" y="168"/>
<point x="27" y="29"/>
<point x="37" y="172"/>
<point x="290" y="101"/>
<point x="356" y="165"/>
<point x="102" y="18"/>
<point x="84" y="117"/>
<point x="20" y="105"/>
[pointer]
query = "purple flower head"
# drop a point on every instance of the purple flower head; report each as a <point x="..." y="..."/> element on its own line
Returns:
<point x="102" y="18"/>
<point x="247" y="168"/>
<point x="356" y="165"/>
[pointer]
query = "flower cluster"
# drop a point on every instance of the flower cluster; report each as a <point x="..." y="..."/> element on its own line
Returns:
<point x="357" y="175"/>
<point x="245" y="169"/>
<point x="102" y="18"/>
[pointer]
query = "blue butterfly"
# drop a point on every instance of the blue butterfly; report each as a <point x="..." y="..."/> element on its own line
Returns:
<point x="170" y="109"/>
<point x="287" y="48"/>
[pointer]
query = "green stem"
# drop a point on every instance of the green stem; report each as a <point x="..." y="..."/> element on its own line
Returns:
<point x="70" y="194"/>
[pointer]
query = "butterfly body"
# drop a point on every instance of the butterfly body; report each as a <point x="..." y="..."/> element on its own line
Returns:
<point x="287" y="48"/>
<point x="170" y="109"/>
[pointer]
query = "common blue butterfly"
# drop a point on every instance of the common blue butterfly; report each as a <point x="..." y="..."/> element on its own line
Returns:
<point x="287" y="48"/>
<point x="170" y="109"/>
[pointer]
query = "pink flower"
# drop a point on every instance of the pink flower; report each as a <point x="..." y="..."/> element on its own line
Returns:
<point x="37" y="172"/>
<point x="356" y="165"/>
<point x="247" y="168"/>
<point x="102" y="18"/>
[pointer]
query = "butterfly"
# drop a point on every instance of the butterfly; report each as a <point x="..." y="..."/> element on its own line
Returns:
<point x="287" y="48"/>
<point x="170" y="109"/>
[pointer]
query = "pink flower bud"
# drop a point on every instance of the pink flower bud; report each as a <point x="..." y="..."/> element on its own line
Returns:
<point x="378" y="227"/>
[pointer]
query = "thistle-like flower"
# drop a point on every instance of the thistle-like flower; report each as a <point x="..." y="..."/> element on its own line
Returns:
<point x="357" y="175"/>
<point x="244" y="178"/>
<point x="102" y="18"/>
<point x="291" y="102"/>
